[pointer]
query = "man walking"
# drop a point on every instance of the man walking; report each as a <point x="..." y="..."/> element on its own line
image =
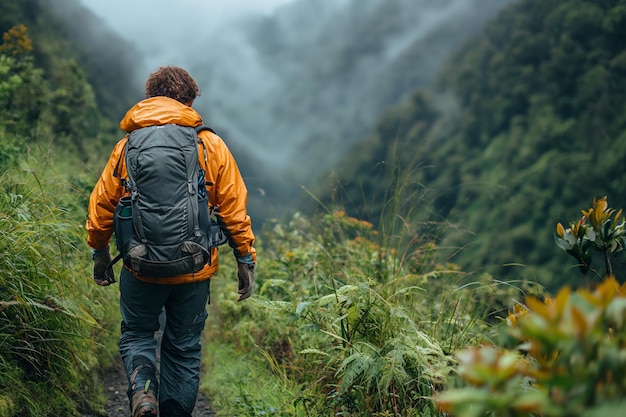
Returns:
<point x="170" y="93"/>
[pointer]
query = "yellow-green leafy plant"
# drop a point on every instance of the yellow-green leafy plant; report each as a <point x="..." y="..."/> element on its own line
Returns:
<point x="16" y="43"/>
<point x="600" y="229"/>
<point x="567" y="357"/>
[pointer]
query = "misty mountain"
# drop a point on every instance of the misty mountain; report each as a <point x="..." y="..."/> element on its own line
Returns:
<point x="525" y="128"/>
<point x="289" y="92"/>
<point x="506" y="119"/>
<point x="294" y="90"/>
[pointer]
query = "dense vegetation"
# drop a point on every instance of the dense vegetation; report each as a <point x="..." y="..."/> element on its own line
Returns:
<point x="349" y="322"/>
<point x="54" y="333"/>
<point x="352" y="317"/>
<point x="527" y="121"/>
<point x="82" y="80"/>
<point x="73" y="47"/>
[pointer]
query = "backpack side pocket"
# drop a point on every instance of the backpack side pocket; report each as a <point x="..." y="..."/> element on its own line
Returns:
<point x="123" y="225"/>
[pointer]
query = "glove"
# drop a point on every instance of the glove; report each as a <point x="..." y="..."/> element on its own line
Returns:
<point x="245" y="274"/>
<point x="103" y="274"/>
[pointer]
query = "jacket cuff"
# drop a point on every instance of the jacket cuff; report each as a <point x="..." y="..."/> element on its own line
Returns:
<point x="98" y="252"/>
<point x="245" y="259"/>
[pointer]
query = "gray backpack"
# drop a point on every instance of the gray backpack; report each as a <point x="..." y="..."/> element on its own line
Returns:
<point x="163" y="228"/>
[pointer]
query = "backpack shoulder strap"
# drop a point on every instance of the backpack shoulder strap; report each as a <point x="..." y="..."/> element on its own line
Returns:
<point x="201" y="142"/>
<point x="116" y="171"/>
<point x="203" y="127"/>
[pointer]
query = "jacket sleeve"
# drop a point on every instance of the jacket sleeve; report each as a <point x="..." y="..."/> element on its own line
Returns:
<point x="104" y="198"/>
<point x="228" y="195"/>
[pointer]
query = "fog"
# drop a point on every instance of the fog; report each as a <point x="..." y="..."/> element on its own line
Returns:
<point x="291" y="85"/>
<point x="162" y="29"/>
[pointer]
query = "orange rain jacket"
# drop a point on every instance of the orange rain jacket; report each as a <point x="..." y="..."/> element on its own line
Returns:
<point x="228" y="194"/>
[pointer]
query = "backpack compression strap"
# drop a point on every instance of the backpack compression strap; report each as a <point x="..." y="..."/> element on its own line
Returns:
<point x="192" y="165"/>
<point x="193" y="201"/>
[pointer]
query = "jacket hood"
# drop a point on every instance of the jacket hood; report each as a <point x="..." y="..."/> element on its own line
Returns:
<point x="157" y="111"/>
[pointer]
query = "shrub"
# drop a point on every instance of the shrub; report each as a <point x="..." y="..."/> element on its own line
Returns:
<point x="567" y="357"/>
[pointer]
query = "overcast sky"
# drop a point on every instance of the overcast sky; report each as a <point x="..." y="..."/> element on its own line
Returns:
<point x="159" y="27"/>
<point x="122" y="12"/>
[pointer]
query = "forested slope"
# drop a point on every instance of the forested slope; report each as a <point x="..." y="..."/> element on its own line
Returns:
<point x="55" y="331"/>
<point x="84" y="76"/>
<point x="526" y="125"/>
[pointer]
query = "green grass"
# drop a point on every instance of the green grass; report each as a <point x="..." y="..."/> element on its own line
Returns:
<point x="244" y="384"/>
<point x="50" y="322"/>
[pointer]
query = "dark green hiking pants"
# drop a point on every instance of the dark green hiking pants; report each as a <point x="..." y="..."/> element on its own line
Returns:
<point x="141" y="305"/>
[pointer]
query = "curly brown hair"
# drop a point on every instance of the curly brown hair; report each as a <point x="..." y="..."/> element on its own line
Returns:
<point x="172" y="82"/>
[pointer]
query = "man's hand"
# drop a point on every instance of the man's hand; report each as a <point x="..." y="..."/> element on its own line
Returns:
<point x="103" y="274"/>
<point x="245" y="275"/>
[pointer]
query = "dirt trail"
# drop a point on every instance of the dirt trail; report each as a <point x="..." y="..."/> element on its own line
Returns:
<point x="117" y="402"/>
<point x="115" y="384"/>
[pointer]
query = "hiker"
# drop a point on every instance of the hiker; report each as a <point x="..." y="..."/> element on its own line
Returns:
<point x="170" y="92"/>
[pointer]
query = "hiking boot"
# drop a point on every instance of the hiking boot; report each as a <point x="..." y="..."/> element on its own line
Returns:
<point x="144" y="404"/>
<point x="142" y="389"/>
